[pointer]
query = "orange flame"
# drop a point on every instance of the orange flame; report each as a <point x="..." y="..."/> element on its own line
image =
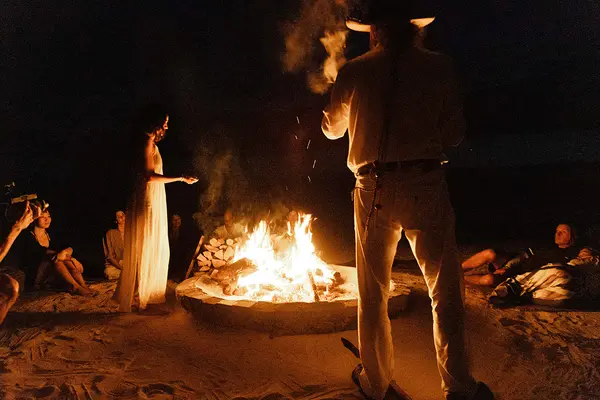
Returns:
<point x="288" y="268"/>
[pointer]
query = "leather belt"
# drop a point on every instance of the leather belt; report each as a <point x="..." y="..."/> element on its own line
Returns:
<point x="425" y="165"/>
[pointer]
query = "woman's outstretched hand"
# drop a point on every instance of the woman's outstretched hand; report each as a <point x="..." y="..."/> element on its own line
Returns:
<point x="190" y="180"/>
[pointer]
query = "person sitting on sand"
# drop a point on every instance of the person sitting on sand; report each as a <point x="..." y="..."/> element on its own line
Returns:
<point x="576" y="282"/>
<point x="9" y="287"/>
<point x="490" y="267"/>
<point x="48" y="266"/>
<point x="230" y="229"/>
<point x="114" y="248"/>
<point x="183" y="238"/>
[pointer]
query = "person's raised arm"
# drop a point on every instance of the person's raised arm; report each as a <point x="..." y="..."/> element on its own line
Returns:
<point x="153" y="176"/>
<point x="23" y="222"/>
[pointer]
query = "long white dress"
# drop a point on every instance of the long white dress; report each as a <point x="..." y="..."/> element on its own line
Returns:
<point x="146" y="258"/>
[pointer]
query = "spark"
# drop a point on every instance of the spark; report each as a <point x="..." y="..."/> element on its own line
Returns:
<point x="314" y="162"/>
<point x="296" y="136"/>
<point x="309" y="178"/>
<point x="308" y="145"/>
<point x="286" y="188"/>
<point x="298" y="119"/>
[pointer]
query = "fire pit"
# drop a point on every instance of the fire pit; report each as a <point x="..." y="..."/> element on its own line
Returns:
<point x="199" y="297"/>
<point x="276" y="283"/>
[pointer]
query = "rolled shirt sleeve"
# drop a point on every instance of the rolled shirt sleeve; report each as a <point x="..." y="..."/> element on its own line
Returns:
<point x="336" y="115"/>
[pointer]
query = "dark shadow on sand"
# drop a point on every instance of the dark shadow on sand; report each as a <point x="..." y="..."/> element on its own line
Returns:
<point x="31" y="319"/>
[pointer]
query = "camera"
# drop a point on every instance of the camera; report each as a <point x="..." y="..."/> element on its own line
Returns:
<point x="15" y="205"/>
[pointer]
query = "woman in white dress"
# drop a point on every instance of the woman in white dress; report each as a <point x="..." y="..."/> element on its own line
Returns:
<point x="146" y="258"/>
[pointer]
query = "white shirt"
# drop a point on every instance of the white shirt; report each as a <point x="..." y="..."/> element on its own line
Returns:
<point x="426" y="109"/>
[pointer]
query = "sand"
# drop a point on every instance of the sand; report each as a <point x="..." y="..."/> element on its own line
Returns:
<point x="58" y="346"/>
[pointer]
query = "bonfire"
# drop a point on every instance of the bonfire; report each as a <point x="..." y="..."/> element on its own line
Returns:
<point x="262" y="266"/>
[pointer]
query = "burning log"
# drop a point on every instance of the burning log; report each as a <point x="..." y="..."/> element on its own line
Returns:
<point x="314" y="286"/>
<point x="289" y="269"/>
<point x="227" y="277"/>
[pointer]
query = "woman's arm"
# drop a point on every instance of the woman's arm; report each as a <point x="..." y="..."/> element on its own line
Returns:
<point x="153" y="176"/>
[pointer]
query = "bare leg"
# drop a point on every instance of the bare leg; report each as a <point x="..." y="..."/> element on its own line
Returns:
<point x="72" y="265"/>
<point x="9" y="293"/>
<point x="483" y="280"/>
<point x="482" y="258"/>
<point x="66" y="274"/>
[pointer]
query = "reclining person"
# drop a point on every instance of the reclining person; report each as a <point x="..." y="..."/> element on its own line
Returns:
<point x="47" y="266"/>
<point x="489" y="267"/>
<point x="576" y="282"/>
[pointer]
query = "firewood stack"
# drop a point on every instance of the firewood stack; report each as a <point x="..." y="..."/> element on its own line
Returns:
<point x="217" y="253"/>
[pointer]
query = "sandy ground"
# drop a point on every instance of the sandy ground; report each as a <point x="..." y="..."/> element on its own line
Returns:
<point x="57" y="346"/>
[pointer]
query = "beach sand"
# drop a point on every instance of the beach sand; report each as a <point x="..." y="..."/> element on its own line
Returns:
<point x="58" y="346"/>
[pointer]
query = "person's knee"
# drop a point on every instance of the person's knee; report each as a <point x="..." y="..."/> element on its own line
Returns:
<point x="489" y="254"/>
<point x="10" y="286"/>
<point x="16" y="287"/>
<point x="487" y="280"/>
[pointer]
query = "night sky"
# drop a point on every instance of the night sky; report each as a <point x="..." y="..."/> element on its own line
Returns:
<point x="73" y="73"/>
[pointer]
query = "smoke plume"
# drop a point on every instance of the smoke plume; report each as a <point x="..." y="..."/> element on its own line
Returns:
<point x="320" y="26"/>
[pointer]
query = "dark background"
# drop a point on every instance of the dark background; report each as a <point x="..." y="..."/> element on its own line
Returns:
<point x="73" y="73"/>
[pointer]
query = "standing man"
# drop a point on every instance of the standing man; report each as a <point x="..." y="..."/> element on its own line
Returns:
<point x="401" y="107"/>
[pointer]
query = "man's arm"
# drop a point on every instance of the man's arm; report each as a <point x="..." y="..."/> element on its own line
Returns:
<point x="451" y="122"/>
<point x="22" y="223"/>
<point x="336" y="114"/>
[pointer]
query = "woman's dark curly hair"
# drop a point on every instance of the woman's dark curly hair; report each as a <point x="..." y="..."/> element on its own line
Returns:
<point x="150" y="118"/>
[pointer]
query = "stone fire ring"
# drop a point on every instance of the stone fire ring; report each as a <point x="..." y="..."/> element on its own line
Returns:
<point x="283" y="318"/>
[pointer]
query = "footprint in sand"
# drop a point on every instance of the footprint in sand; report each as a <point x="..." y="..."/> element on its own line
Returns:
<point x="114" y="388"/>
<point x="45" y="392"/>
<point x="158" y="391"/>
<point x="63" y="337"/>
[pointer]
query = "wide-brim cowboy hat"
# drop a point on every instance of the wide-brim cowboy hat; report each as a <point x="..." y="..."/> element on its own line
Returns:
<point x="363" y="17"/>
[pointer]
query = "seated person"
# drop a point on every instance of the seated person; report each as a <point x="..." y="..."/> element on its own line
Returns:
<point x="490" y="267"/>
<point x="46" y="265"/>
<point x="183" y="239"/>
<point x="556" y="284"/>
<point x="9" y="287"/>
<point x="114" y="248"/>
<point x="229" y="229"/>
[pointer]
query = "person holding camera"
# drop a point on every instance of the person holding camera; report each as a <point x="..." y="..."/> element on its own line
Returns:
<point x="9" y="287"/>
<point x="48" y="266"/>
